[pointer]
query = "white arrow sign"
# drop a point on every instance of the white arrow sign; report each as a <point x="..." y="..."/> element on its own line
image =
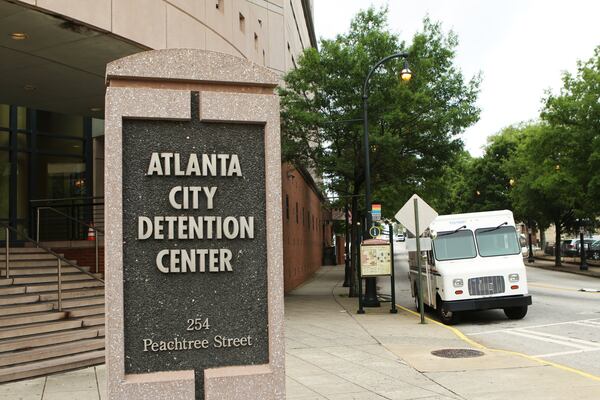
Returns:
<point x="406" y="215"/>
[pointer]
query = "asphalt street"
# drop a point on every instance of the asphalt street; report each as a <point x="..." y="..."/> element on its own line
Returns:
<point x="562" y="325"/>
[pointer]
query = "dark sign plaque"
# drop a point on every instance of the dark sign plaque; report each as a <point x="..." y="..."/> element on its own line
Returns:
<point x="194" y="246"/>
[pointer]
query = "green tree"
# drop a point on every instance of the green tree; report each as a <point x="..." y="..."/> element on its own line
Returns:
<point x="414" y="127"/>
<point x="483" y="183"/>
<point x="546" y="188"/>
<point x="575" y="112"/>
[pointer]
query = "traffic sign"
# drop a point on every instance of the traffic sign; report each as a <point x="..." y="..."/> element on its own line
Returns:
<point x="375" y="212"/>
<point x="375" y="231"/>
<point x="406" y="215"/>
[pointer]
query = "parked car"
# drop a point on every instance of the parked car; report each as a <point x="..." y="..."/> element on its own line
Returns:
<point x="593" y="251"/>
<point x="549" y="249"/>
<point x="570" y="247"/>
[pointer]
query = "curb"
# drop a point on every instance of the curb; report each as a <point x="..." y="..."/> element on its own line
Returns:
<point x="558" y="269"/>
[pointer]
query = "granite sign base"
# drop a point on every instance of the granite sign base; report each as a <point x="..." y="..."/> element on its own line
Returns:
<point x="194" y="272"/>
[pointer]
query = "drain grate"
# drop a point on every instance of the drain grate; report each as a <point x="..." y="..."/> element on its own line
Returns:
<point x="457" y="353"/>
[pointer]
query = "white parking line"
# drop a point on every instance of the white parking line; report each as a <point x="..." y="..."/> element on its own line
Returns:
<point x="587" y="324"/>
<point x="564" y="353"/>
<point x="551" y="340"/>
<point x="591" y="321"/>
<point x="564" y="339"/>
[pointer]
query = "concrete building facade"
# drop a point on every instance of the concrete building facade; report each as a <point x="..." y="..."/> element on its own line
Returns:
<point x="52" y="101"/>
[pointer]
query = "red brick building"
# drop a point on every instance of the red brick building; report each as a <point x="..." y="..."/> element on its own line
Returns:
<point x="307" y="227"/>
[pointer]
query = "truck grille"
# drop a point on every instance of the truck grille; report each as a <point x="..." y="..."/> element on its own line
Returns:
<point x="485" y="285"/>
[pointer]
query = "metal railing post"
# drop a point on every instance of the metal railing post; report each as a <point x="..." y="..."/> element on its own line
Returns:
<point x="7" y="259"/>
<point x="37" y="226"/>
<point x="59" y="285"/>
<point x="96" y="245"/>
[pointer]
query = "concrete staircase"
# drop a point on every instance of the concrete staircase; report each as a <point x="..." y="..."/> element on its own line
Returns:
<point x="37" y="339"/>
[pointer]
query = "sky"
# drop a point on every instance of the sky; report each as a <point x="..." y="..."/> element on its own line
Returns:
<point x="520" y="47"/>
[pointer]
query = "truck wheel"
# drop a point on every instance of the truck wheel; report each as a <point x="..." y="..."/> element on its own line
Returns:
<point x="446" y="316"/>
<point x="516" y="312"/>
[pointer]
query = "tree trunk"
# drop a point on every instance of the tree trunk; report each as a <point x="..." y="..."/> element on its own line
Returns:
<point x="557" y="244"/>
<point x="353" y="292"/>
<point x="347" y="270"/>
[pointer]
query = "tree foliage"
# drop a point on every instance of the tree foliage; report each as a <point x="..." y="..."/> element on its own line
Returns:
<point x="413" y="126"/>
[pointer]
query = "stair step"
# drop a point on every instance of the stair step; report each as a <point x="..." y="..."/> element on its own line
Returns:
<point x="85" y="311"/>
<point x="73" y="293"/>
<point x="31" y="318"/>
<point x="46" y="367"/>
<point x="33" y="263"/>
<point x="29" y="342"/>
<point x="6" y="290"/>
<point x="45" y="352"/>
<point x="93" y="320"/>
<point x="25" y="308"/>
<point x="22" y="280"/>
<point x="6" y="282"/>
<point x="34" y="329"/>
<point x="21" y="298"/>
<point x="28" y="250"/>
<point x="15" y="272"/>
<point x="51" y="287"/>
<point x="82" y="302"/>
<point x="27" y="256"/>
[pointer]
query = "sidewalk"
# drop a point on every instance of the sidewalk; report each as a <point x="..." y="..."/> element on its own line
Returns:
<point x="333" y="353"/>
<point x="593" y="270"/>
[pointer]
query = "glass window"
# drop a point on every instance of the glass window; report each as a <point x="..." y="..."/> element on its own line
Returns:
<point x="47" y="143"/>
<point x="21" y="118"/>
<point x="60" y="124"/>
<point x="4" y="183"/>
<point x="4" y="116"/>
<point x="497" y="241"/>
<point x="60" y="177"/>
<point x="454" y="245"/>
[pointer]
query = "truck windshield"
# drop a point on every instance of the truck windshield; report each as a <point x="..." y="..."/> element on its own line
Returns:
<point x="501" y="241"/>
<point x="454" y="245"/>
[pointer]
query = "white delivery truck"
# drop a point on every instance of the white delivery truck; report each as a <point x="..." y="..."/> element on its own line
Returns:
<point x="474" y="263"/>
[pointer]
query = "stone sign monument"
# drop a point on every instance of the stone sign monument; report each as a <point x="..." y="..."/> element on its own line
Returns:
<point x="194" y="281"/>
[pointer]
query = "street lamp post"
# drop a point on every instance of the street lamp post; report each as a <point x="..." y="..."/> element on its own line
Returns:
<point x="582" y="262"/>
<point x="370" y="299"/>
<point x="530" y="258"/>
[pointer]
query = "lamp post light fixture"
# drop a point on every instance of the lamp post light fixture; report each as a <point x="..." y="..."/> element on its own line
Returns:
<point x="371" y="299"/>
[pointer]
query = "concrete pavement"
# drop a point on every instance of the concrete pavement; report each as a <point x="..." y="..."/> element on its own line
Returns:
<point x="333" y="353"/>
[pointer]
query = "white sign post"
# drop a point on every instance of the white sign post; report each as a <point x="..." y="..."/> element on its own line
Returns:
<point x="416" y="210"/>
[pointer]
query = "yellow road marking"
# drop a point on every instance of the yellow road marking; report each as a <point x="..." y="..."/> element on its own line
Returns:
<point x="557" y="288"/>
<point x="481" y="346"/>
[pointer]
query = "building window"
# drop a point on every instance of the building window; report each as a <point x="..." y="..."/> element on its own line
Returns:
<point x="220" y="5"/>
<point x="287" y="207"/>
<point x="296" y="212"/>
<point x="302" y="215"/>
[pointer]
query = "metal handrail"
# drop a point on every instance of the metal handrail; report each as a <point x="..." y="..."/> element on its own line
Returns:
<point x="67" y="198"/>
<point x="37" y="229"/>
<point x="60" y="259"/>
<point x="64" y="215"/>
